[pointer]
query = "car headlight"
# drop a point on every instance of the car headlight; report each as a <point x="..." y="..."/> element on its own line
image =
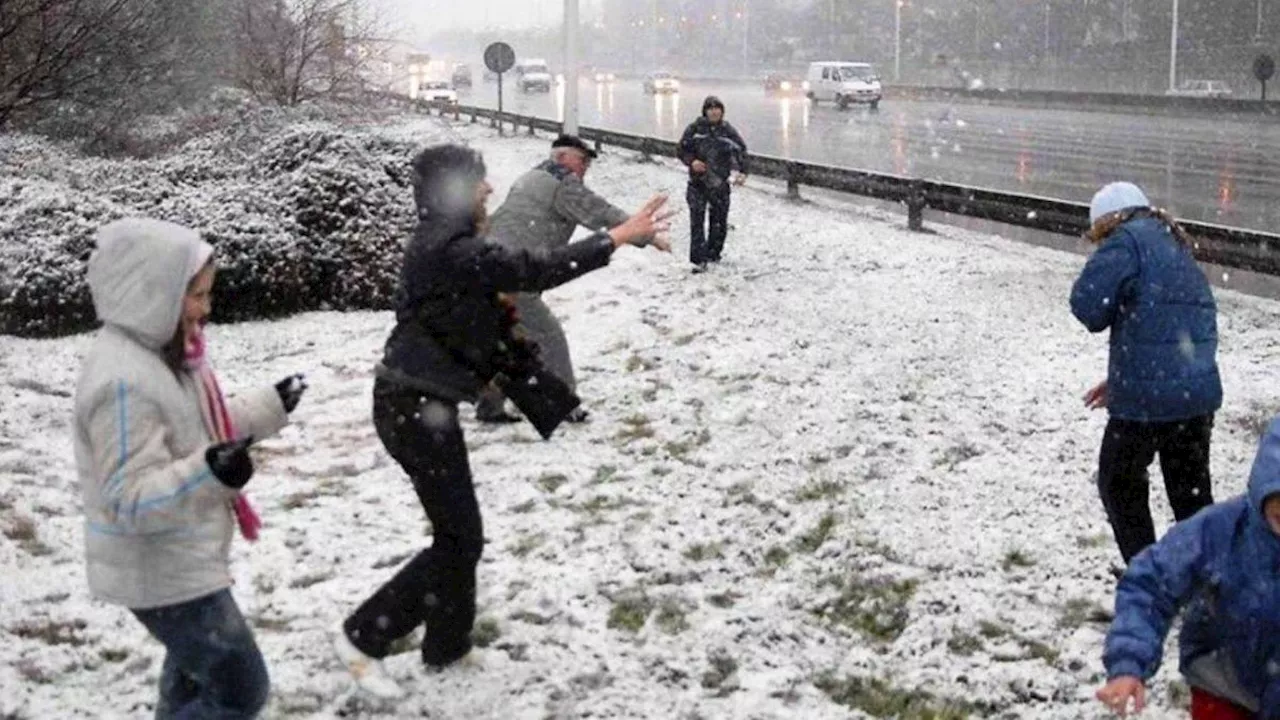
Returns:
<point x="804" y="85"/>
<point x="786" y="85"/>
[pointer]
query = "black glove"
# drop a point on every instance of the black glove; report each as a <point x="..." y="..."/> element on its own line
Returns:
<point x="290" y="390"/>
<point x="230" y="462"/>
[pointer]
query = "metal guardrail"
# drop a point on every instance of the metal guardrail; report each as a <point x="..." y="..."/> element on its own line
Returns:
<point x="1230" y="247"/>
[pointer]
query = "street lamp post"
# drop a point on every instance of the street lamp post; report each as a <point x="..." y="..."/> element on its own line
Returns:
<point x="1173" y="50"/>
<point x="571" y="69"/>
<point x="746" y="33"/>
<point x="1047" y="11"/>
<point x="897" y="41"/>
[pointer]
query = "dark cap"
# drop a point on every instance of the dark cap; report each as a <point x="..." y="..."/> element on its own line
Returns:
<point x="712" y="102"/>
<point x="573" y="141"/>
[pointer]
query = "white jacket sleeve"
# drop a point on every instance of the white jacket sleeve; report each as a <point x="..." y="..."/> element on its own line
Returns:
<point x="143" y="487"/>
<point x="258" y="412"/>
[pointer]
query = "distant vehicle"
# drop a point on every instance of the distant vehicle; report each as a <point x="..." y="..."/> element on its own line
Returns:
<point x="461" y="75"/>
<point x="661" y="82"/>
<point x="605" y="78"/>
<point x="439" y="92"/>
<point x="533" y="76"/>
<point x="844" y="83"/>
<point x="1201" y="89"/>
<point x="785" y="84"/>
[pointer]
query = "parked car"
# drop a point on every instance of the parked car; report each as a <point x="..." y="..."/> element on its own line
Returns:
<point x="1201" y="89"/>
<point x="661" y="82"/>
<point x="844" y="83"/>
<point x="785" y="84"/>
<point x="439" y="92"/>
<point x="462" y="75"/>
<point x="533" y="76"/>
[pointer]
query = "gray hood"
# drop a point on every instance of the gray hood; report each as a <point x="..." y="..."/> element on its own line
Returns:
<point x="139" y="274"/>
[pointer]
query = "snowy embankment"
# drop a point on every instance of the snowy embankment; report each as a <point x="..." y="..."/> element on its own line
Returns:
<point x="850" y="468"/>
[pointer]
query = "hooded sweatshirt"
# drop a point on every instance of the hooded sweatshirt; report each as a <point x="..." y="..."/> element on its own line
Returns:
<point x="158" y="524"/>
<point x="1225" y="564"/>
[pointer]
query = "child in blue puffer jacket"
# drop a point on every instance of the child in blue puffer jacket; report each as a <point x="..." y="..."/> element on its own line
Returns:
<point x="1162" y="387"/>
<point x="1224" y="563"/>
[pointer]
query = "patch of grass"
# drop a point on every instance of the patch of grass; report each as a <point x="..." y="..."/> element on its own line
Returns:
<point x="812" y="540"/>
<point x="22" y="530"/>
<point x="1179" y="695"/>
<point x="604" y="474"/>
<point x="724" y="600"/>
<point x="875" y="547"/>
<point x="114" y="655"/>
<point x="671" y="618"/>
<point x="826" y="489"/>
<point x="635" y="427"/>
<point x="704" y="551"/>
<point x="309" y="579"/>
<point x="485" y="632"/>
<point x="680" y="449"/>
<point x="957" y="454"/>
<point x="874" y="607"/>
<point x="1040" y="651"/>
<point x="1017" y="559"/>
<point x="1088" y="542"/>
<point x="272" y="624"/>
<point x="879" y="699"/>
<point x="1078" y="612"/>
<point x="527" y="506"/>
<point x="636" y="362"/>
<point x="992" y="631"/>
<point x="963" y="644"/>
<point x="527" y="544"/>
<point x="52" y="632"/>
<point x="722" y="667"/>
<point x="682" y="340"/>
<point x="550" y="482"/>
<point x="776" y="556"/>
<point x="630" y="611"/>
<point x="529" y="617"/>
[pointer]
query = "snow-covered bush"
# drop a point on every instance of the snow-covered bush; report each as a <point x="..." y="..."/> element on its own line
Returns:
<point x="48" y="240"/>
<point x="303" y="217"/>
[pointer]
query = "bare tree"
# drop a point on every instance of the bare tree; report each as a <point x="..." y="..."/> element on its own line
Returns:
<point x="90" y="60"/>
<point x="296" y="50"/>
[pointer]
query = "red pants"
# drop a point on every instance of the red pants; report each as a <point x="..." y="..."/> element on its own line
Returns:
<point x="1211" y="707"/>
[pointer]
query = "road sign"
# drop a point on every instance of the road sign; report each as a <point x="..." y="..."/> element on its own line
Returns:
<point x="499" y="57"/>
<point x="1264" y="67"/>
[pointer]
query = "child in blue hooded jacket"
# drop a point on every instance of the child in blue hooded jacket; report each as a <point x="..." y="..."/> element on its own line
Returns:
<point x="1224" y="565"/>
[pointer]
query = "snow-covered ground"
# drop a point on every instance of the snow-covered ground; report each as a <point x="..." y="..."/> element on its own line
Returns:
<point x="851" y="458"/>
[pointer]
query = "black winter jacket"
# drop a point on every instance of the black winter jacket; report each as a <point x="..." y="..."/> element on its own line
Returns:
<point x="452" y="333"/>
<point x="717" y="144"/>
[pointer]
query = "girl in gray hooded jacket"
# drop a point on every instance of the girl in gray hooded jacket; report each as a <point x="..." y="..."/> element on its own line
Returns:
<point x="162" y="458"/>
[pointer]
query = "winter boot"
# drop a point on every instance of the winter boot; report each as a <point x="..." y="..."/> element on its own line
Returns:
<point x="369" y="673"/>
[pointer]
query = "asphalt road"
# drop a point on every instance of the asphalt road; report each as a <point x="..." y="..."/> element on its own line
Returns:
<point x="1217" y="170"/>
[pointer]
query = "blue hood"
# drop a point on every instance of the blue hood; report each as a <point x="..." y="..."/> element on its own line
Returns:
<point x="1264" y="479"/>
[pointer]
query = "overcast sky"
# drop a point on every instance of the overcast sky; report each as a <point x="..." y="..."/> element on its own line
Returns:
<point x="427" y="16"/>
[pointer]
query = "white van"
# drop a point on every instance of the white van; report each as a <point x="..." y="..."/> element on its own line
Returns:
<point x="844" y="83"/>
<point x="532" y="75"/>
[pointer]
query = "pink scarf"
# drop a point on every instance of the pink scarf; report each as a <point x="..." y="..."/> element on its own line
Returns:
<point x="217" y="420"/>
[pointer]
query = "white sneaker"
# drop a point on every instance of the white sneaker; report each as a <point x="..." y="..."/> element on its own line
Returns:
<point x="369" y="673"/>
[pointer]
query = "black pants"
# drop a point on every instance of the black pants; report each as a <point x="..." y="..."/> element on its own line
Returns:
<point x="438" y="586"/>
<point x="1128" y="447"/>
<point x="706" y="245"/>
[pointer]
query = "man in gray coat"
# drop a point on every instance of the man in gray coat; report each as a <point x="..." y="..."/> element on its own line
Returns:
<point x="542" y="211"/>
